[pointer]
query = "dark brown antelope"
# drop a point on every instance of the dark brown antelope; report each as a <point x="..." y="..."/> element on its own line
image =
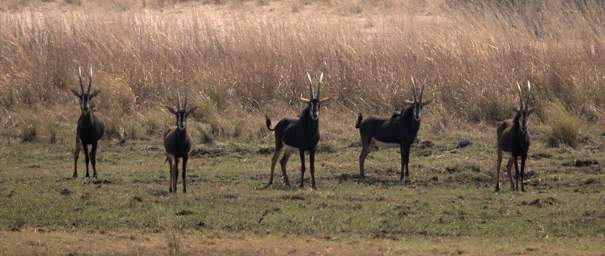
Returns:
<point x="513" y="139"/>
<point x="300" y="134"/>
<point x="399" y="130"/>
<point x="89" y="129"/>
<point x="177" y="143"/>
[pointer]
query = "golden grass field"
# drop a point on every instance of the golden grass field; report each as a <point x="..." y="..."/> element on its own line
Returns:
<point x="240" y="60"/>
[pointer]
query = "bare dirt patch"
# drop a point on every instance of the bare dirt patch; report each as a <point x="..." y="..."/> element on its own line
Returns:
<point x="31" y="241"/>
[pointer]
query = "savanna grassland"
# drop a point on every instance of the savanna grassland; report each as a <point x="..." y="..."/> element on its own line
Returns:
<point x="239" y="60"/>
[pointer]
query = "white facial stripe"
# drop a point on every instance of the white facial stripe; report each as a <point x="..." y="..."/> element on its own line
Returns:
<point x="522" y="121"/>
<point x="314" y="111"/>
<point x="417" y="111"/>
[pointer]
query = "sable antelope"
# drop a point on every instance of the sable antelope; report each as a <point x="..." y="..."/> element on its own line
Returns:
<point x="398" y="130"/>
<point x="90" y="128"/>
<point x="513" y="138"/>
<point x="177" y="143"/>
<point x="300" y="134"/>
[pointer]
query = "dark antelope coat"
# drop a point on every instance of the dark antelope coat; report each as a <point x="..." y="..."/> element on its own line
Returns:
<point x="89" y="129"/>
<point x="399" y="130"/>
<point x="300" y="134"/>
<point x="513" y="138"/>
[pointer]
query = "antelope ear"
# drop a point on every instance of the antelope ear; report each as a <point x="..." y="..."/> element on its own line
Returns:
<point x="170" y="109"/>
<point x="190" y="111"/>
<point x="304" y="100"/>
<point x="409" y="102"/>
<point x="76" y="93"/>
<point x="424" y="103"/>
<point x="325" y="100"/>
<point x="530" y="110"/>
<point x="95" y="93"/>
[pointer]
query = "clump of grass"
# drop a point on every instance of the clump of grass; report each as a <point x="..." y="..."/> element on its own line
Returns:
<point x="205" y="136"/>
<point x="28" y="132"/>
<point x="52" y="131"/>
<point x="157" y="122"/>
<point x="491" y="107"/>
<point x="237" y="130"/>
<point x="563" y="125"/>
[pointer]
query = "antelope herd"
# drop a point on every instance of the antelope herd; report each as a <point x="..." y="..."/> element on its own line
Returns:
<point x="302" y="134"/>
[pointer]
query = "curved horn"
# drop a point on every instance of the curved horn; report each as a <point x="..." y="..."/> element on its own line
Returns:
<point x="414" y="89"/>
<point x="89" y="81"/>
<point x="528" y="93"/>
<point x="80" y="77"/>
<point x="178" y="101"/>
<point x="310" y="86"/>
<point x="520" y="96"/>
<point x="321" y="77"/>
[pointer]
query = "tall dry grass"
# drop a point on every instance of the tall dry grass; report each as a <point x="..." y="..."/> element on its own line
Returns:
<point x="239" y="63"/>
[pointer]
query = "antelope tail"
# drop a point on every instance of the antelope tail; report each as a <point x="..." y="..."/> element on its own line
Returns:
<point x="359" y="118"/>
<point x="268" y="122"/>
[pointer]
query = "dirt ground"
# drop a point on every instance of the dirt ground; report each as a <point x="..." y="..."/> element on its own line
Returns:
<point x="33" y="241"/>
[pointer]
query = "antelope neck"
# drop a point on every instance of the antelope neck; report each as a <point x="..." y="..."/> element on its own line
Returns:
<point x="89" y="117"/>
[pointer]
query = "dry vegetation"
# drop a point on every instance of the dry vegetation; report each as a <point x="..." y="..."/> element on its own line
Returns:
<point x="241" y="59"/>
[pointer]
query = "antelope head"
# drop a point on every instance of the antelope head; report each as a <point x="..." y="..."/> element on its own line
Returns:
<point x="85" y="97"/>
<point x="417" y="103"/>
<point x="314" y="100"/>
<point x="181" y="113"/>
<point x="523" y="111"/>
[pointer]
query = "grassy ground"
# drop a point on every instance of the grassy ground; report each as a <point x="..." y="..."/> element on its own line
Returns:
<point x="449" y="207"/>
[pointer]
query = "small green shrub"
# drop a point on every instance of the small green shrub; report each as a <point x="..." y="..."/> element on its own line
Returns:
<point x="564" y="126"/>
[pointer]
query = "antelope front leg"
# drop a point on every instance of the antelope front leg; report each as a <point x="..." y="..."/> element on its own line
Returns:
<point x="516" y="173"/>
<point x="175" y="174"/>
<point x="523" y="158"/>
<point x="312" y="165"/>
<point x="302" y="168"/>
<point x="86" y="158"/>
<point x="402" y="151"/>
<point x="407" y="160"/>
<point x="184" y="174"/>
<point x="93" y="159"/>
<point x="170" y="160"/>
